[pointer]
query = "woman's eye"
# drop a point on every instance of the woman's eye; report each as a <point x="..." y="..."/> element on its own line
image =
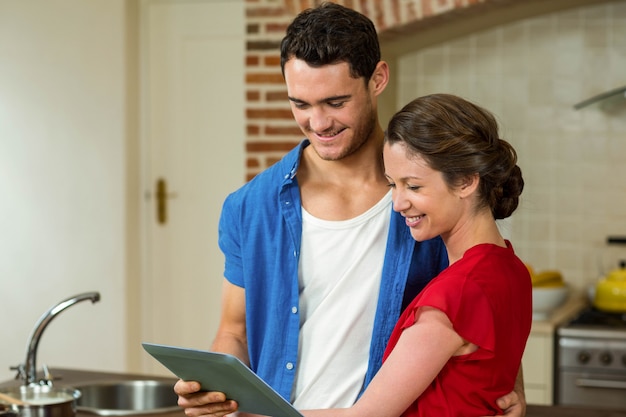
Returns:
<point x="391" y="185"/>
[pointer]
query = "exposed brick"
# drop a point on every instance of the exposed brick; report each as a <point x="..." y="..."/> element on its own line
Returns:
<point x="252" y="163"/>
<point x="272" y="61"/>
<point x="252" y="60"/>
<point x="252" y="28"/>
<point x="282" y="130"/>
<point x="289" y="5"/>
<point x="264" y="45"/>
<point x="269" y="114"/>
<point x="270" y="146"/>
<point x="265" y="11"/>
<point x="274" y="27"/>
<point x="276" y="96"/>
<point x="253" y="95"/>
<point x="271" y="160"/>
<point x="253" y="129"/>
<point x="264" y="78"/>
<point x="427" y="9"/>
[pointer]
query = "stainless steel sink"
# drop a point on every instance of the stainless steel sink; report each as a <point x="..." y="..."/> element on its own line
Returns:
<point x="127" y="398"/>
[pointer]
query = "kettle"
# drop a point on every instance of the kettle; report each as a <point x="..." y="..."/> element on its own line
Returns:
<point x="610" y="293"/>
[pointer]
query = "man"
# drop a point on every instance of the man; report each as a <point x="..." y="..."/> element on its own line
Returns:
<point x="318" y="267"/>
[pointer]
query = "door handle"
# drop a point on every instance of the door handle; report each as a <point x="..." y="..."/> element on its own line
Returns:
<point x="161" y="200"/>
<point x="600" y="383"/>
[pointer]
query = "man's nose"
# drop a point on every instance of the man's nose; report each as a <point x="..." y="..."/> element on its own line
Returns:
<point x="319" y="120"/>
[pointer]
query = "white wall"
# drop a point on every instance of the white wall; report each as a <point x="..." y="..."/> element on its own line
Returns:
<point x="62" y="179"/>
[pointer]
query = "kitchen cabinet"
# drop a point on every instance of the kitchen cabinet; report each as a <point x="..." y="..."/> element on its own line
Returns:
<point x="538" y="361"/>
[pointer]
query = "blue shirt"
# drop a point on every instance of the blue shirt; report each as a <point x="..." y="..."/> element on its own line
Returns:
<point x="260" y="234"/>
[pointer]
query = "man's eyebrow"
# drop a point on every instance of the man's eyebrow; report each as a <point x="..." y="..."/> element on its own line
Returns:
<point x="325" y="100"/>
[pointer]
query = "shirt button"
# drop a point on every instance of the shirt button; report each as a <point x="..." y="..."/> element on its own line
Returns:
<point x="289" y="366"/>
<point x="294" y="309"/>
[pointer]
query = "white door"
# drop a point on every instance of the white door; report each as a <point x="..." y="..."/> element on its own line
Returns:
<point x="192" y="139"/>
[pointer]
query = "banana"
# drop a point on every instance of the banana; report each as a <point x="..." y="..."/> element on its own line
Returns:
<point x="548" y="278"/>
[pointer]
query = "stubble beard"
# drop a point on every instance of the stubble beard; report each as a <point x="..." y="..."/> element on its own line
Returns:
<point x="360" y="137"/>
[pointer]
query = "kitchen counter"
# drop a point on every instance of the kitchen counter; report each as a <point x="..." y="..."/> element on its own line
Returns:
<point x="77" y="377"/>
<point x="538" y="360"/>
<point x="574" y="304"/>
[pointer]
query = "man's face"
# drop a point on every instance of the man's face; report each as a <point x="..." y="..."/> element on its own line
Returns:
<point x="336" y="112"/>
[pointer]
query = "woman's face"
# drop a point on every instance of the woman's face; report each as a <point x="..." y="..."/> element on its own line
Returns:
<point x="420" y="194"/>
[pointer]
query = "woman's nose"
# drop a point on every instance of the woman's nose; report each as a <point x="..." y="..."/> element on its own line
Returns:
<point x="400" y="203"/>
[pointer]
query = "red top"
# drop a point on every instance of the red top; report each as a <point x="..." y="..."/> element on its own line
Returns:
<point x="487" y="296"/>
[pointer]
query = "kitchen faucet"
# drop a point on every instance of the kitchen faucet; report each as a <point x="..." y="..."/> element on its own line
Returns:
<point x="28" y="371"/>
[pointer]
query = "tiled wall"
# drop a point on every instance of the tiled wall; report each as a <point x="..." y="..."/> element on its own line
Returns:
<point x="530" y="74"/>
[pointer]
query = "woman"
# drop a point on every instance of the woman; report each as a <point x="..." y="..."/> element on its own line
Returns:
<point x="458" y="346"/>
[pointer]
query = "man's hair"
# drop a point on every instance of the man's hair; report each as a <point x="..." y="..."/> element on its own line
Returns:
<point x="332" y="34"/>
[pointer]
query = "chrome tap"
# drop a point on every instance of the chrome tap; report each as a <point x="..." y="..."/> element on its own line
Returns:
<point x="28" y="372"/>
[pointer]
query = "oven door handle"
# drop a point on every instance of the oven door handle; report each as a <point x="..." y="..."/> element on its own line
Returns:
<point x="600" y="383"/>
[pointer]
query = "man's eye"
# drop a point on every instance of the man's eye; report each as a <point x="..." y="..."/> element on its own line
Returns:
<point x="337" y="104"/>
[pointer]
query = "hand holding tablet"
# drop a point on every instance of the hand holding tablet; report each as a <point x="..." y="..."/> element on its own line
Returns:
<point x="224" y="373"/>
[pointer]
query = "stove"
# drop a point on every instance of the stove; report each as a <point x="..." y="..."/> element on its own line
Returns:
<point x="591" y="360"/>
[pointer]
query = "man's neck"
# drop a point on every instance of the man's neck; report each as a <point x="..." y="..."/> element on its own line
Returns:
<point x="342" y="189"/>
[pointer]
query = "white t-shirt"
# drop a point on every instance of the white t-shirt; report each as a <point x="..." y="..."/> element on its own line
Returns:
<point x="340" y="269"/>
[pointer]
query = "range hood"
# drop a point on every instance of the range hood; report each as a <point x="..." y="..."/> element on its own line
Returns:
<point x="621" y="91"/>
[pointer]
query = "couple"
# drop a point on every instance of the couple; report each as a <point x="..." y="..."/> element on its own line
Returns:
<point x="319" y="268"/>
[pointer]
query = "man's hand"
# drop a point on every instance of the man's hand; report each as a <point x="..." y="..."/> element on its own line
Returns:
<point x="198" y="403"/>
<point x="512" y="404"/>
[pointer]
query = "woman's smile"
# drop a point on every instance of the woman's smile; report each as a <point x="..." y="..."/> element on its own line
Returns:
<point x="413" y="220"/>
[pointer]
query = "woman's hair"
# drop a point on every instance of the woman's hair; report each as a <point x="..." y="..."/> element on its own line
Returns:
<point x="332" y="34"/>
<point x="460" y="139"/>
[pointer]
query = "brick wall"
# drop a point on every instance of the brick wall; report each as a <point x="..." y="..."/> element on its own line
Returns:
<point x="270" y="128"/>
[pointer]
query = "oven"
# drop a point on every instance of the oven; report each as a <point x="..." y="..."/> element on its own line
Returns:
<point x="591" y="361"/>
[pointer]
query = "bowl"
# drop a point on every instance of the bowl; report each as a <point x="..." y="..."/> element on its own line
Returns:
<point x="43" y="401"/>
<point x="548" y="299"/>
<point x="128" y="398"/>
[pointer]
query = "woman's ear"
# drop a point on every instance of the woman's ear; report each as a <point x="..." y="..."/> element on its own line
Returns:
<point x="469" y="185"/>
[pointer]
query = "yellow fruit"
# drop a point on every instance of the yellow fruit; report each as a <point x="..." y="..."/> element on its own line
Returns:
<point x="553" y="284"/>
<point x="549" y="278"/>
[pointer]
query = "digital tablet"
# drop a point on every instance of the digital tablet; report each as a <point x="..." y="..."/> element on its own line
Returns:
<point x="225" y="373"/>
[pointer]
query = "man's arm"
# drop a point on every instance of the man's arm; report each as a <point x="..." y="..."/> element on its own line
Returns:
<point x="231" y="334"/>
<point x="514" y="403"/>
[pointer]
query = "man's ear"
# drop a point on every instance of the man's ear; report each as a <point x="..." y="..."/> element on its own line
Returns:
<point x="380" y="78"/>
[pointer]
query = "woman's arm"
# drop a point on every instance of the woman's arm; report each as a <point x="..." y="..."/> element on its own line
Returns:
<point x="420" y="354"/>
